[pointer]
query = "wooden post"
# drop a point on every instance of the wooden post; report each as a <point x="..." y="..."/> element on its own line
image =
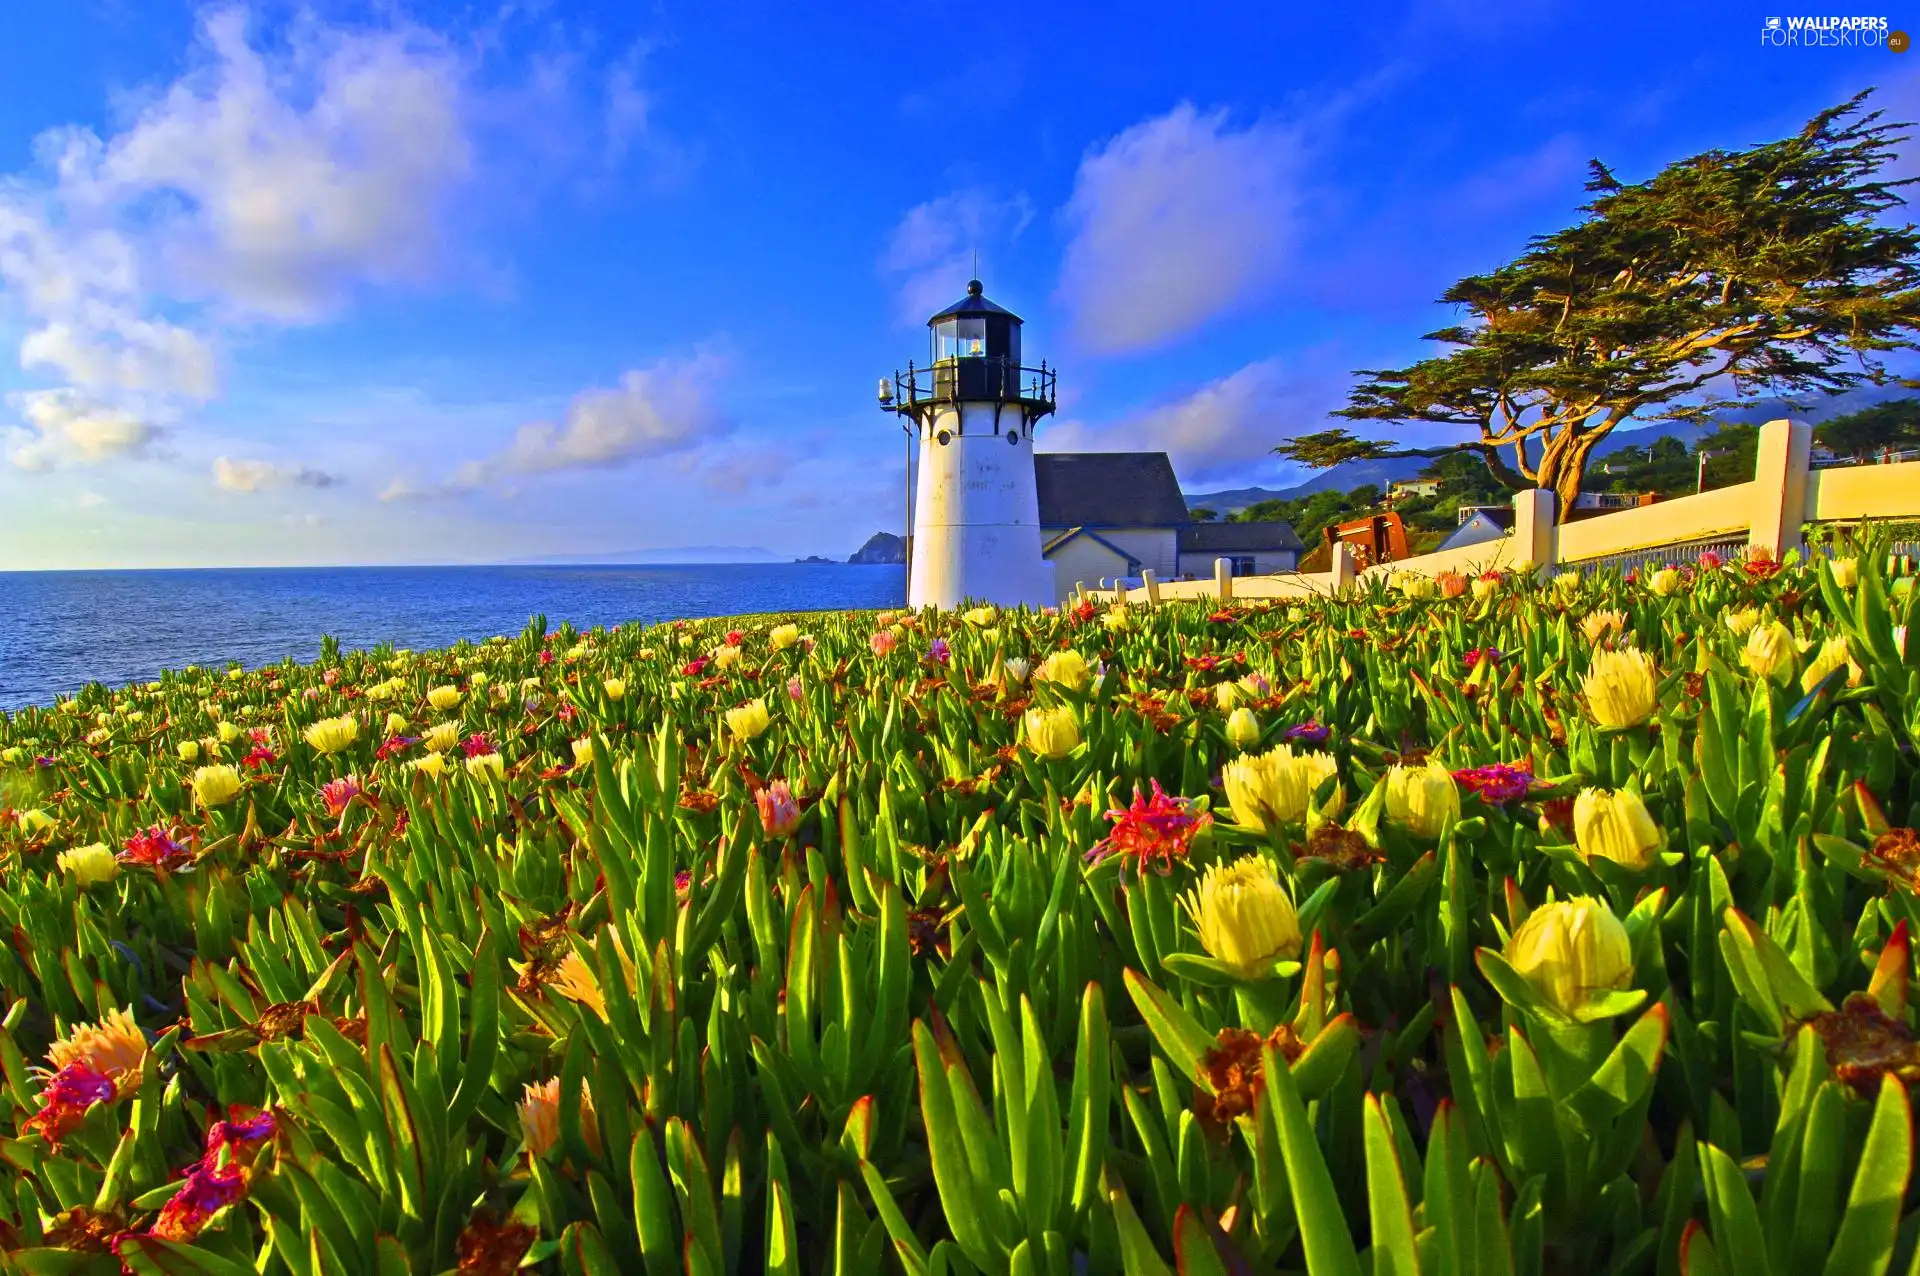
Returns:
<point x="1534" y="533"/>
<point x="1151" y="581"/>
<point x="1780" y="488"/>
<point x="1343" y="567"/>
<point x="1223" y="578"/>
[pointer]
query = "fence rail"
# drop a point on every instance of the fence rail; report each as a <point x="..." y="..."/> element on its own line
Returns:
<point x="1785" y="494"/>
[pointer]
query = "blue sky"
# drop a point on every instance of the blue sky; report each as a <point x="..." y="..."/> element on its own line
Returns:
<point x="351" y="283"/>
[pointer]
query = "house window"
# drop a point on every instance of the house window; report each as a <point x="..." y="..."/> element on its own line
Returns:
<point x="1243" y="566"/>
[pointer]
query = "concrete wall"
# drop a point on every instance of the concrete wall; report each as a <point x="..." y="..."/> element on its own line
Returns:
<point x="976" y="518"/>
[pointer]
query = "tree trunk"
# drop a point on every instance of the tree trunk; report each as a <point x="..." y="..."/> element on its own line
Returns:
<point x="1563" y="463"/>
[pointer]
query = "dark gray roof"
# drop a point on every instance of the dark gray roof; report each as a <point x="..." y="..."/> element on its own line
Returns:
<point x="1246" y="538"/>
<point x="1108" y="489"/>
<point x="973" y="304"/>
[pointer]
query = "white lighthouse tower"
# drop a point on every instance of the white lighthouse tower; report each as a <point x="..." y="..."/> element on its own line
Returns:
<point x="975" y="514"/>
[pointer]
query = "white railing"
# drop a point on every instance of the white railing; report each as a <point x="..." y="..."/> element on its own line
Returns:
<point x="1764" y="514"/>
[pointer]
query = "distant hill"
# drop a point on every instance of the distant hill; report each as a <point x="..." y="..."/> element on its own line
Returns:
<point x="881" y="547"/>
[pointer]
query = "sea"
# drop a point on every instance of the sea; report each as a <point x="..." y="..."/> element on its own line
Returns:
<point x="61" y="630"/>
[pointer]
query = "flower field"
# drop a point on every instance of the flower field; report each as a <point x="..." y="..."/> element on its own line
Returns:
<point x="1456" y="926"/>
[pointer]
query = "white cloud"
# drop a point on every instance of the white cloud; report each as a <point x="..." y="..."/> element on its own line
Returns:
<point x="931" y="251"/>
<point x="258" y="476"/>
<point x="87" y="500"/>
<point x="1226" y="427"/>
<point x="1176" y="220"/>
<point x="66" y="427"/>
<point x="657" y="411"/>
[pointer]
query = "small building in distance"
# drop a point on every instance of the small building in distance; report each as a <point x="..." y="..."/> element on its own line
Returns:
<point x="1479" y="524"/>
<point x="1402" y="489"/>
<point x="1115" y="514"/>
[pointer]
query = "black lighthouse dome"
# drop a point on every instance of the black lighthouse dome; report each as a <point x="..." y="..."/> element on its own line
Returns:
<point x="975" y="328"/>
<point x="975" y="348"/>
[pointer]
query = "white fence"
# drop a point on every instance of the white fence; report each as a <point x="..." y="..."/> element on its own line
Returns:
<point x="1767" y="513"/>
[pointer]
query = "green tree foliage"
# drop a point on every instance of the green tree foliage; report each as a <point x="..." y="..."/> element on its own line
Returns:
<point x="1310" y="513"/>
<point x="1724" y="275"/>
<point x="1863" y="435"/>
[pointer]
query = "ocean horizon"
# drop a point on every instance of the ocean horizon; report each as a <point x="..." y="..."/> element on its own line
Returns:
<point x="60" y="630"/>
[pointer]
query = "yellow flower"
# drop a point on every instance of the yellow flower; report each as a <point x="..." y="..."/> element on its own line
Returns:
<point x="1483" y="588"/>
<point x="37" y="820"/>
<point x="396" y="724"/>
<point x="1833" y="654"/>
<point x="1243" y="728"/>
<point x="1740" y="623"/>
<point x="1770" y="652"/>
<point x="1050" y="733"/>
<point x="441" y="737"/>
<point x="189" y="750"/>
<point x="1117" y="619"/>
<point x="748" y="720"/>
<point x="1228" y="695"/>
<point x="1567" y="582"/>
<point x="1596" y="625"/>
<point x="89" y="864"/>
<point x="1619" y="688"/>
<point x="115" y="1048"/>
<point x="1414" y="585"/>
<point x="1664" y="582"/>
<point x="1244" y="917"/>
<point x="478" y="680"/>
<point x="485" y="765"/>
<point x="1275" y="787"/>
<point x="330" y="735"/>
<point x="1068" y="668"/>
<point x="540" y="1117"/>
<point x="1615" y="826"/>
<point x="583" y="751"/>
<point x="229" y="732"/>
<point x="234" y="675"/>
<point x="1422" y="800"/>
<point x="725" y="657"/>
<point x="1846" y="572"/>
<point x="99" y="735"/>
<point x="783" y="636"/>
<point x="216" y="785"/>
<point x="434" y="764"/>
<point x="616" y="688"/>
<point x="1571" y="951"/>
<point x="444" y="698"/>
<point x="979" y="617"/>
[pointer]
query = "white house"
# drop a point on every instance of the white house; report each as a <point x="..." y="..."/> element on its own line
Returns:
<point x="1115" y="514"/>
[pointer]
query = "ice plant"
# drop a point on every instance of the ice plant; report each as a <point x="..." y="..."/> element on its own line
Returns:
<point x="152" y="848"/>
<point x="443" y="698"/>
<point x="616" y="688"/>
<point x="1619" y="688"/>
<point x="783" y="636"/>
<point x="748" y="721"/>
<point x="1496" y="783"/>
<point x="331" y="735"/>
<point x="1066" y="668"/>
<point x="1422" y="800"/>
<point x="1570" y="952"/>
<point x="337" y="795"/>
<point x="1244" y="917"/>
<point x="938" y="652"/>
<point x="215" y="785"/>
<point x="1051" y="733"/>
<point x="1663" y="582"/>
<point x="1274" y="788"/>
<point x="89" y="865"/>
<point x="779" y="813"/>
<point x="1615" y="826"/>
<point x="583" y="751"/>
<point x="881" y="642"/>
<point x="1308" y="732"/>
<point x="93" y="1063"/>
<point x="1598" y="625"/>
<point x="1770" y="652"/>
<point x="1832" y="654"/>
<point x="1243" y="728"/>
<point x="486" y="766"/>
<point x="1156" y="830"/>
<point x="540" y="1117"/>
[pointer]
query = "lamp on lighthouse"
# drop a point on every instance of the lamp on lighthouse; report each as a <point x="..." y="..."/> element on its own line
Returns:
<point x="972" y="508"/>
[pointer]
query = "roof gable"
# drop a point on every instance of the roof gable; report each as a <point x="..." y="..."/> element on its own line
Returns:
<point x="1108" y="489"/>
<point x="1075" y="533"/>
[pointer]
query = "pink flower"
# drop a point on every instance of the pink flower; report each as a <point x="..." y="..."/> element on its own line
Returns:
<point x="476" y="744"/>
<point x="1497" y="783"/>
<point x="693" y="668"/>
<point x="779" y="813"/>
<point x="1710" y="561"/>
<point x="336" y="794"/>
<point x="330" y="677"/>
<point x="69" y="1093"/>
<point x="882" y="642"/>
<point x="939" y="652"/>
<point x="153" y="848"/>
<point x="1159" y="829"/>
<point x="795" y="688"/>
<point x="546" y="657"/>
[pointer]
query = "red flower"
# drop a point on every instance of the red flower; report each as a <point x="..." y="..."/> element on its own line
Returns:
<point x="153" y="848"/>
<point x="566" y="712"/>
<point x="1159" y="829"/>
<point x="546" y="657"/>
<point x="260" y="756"/>
<point x="1084" y="612"/>
<point x="735" y="637"/>
<point x="476" y="745"/>
<point x="395" y="744"/>
<point x="336" y="794"/>
<point x="695" y="667"/>
<point x="69" y="1093"/>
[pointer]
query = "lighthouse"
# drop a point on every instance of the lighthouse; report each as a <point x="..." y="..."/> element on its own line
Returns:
<point x="969" y="417"/>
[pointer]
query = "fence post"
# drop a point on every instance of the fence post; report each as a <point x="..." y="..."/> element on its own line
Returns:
<point x="1343" y="567"/>
<point x="1151" y="581"/>
<point x="1223" y="578"/>
<point x="1534" y="537"/>
<point x="1780" y="487"/>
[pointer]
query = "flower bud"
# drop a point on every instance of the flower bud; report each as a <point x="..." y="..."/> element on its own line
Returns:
<point x="1068" y="668"/>
<point x="1770" y="652"/>
<point x="1570" y="951"/>
<point x="1422" y="800"/>
<point x="1244" y="917"/>
<point x="616" y="688"/>
<point x="748" y="720"/>
<point x="215" y="785"/>
<point x="189" y="750"/>
<point x="1243" y="728"/>
<point x="1615" y="826"/>
<point x="779" y="813"/>
<point x="783" y="636"/>
<point x="1051" y="733"/>
<point x="1619" y="688"/>
<point x="1664" y="582"/>
<point x="1833" y="654"/>
<point x="1846" y="572"/>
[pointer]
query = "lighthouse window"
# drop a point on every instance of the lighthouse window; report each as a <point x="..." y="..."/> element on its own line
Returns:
<point x="972" y="337"/>
<point x="946" y="340"/>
